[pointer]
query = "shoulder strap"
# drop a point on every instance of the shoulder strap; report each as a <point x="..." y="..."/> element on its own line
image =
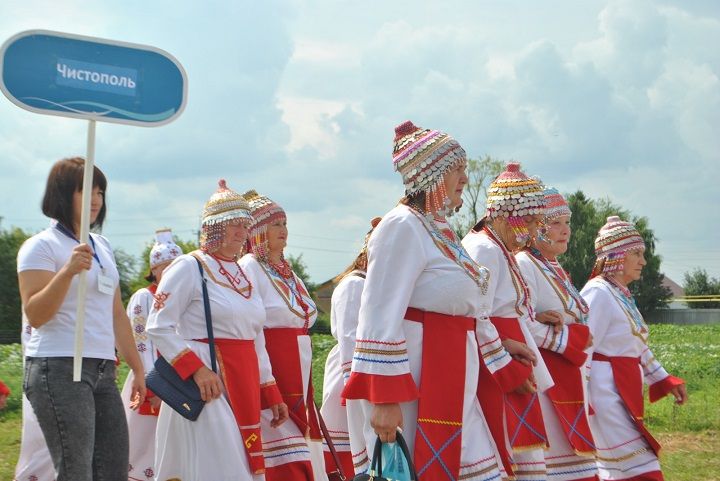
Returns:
<point x="330" y="444"/>
<point x="208" y="317"/>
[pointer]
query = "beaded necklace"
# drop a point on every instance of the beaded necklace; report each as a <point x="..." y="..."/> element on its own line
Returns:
<point x="446" y="241"/>
<point x="285" y="274"/>
<point x="234" y="280"/>
<point x="570" y="297"/>
<point x="627" y="303"/>
<point x="522" y="291"/>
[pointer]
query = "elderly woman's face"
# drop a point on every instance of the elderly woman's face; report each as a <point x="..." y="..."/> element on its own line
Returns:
<point x="277" y="234"/>
<point x="236" y="233"/>
<point x="633" y="265"/>
<point x="557" y="231"/>
<point x="455" y="180"/>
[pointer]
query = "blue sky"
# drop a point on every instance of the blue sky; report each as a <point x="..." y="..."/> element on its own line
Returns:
<point x="298" y="100"/>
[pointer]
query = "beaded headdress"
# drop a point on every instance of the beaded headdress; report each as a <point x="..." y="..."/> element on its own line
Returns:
<point x="265" y="212"/>
<point x="422" y="156"/>
<point x="164" y="248"/>
<point x="224" y="206"/>
<point x="555" y="206"/>
<point x="613" y="241"/>
<point x="513" y="195"/>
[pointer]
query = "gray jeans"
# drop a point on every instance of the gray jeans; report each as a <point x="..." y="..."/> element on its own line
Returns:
<point x="83" y="422"/>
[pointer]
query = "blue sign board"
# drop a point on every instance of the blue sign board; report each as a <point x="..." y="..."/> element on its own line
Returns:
<point x="90" y="78"/>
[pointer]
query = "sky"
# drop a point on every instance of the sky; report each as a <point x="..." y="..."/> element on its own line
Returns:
<point x="298" y="100"/>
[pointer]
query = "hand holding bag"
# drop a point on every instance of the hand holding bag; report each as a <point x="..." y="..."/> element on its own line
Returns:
<point x="183" y="396"/>
<point x="376" y="465"/>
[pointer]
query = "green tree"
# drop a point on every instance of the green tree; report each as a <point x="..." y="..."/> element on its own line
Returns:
<point x="10" y="309"/>
<point x="588" y="216"/>
<point x="698" y="283"/>
<point x="126" y="268"/>
<point x="137" y="280"/>
<point x="300" y="268"/>
<point x="480" y="173"/>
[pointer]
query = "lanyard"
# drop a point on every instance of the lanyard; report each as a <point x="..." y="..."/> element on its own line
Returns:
<point x="69" y="234"/>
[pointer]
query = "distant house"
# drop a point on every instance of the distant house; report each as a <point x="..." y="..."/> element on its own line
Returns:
<point x="677" y="292"/>
<point x="323" y="293"/>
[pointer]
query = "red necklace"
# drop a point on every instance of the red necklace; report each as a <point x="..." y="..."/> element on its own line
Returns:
<point x="288" y="277"/>
<point x="283" y="268"/>
<point x="234" y="280"/>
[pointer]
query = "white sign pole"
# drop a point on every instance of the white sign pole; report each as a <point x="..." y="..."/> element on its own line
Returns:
<point x="84" y="237"/>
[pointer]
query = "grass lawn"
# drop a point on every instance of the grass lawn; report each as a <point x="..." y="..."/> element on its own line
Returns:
<point x="690" y="435"/>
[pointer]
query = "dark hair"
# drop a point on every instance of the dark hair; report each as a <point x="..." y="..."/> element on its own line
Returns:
<point x="416" y="200"/>
<point x="66" y="178"/>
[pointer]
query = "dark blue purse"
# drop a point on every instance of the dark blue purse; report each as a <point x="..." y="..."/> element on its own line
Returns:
<point x="183" y="396"/>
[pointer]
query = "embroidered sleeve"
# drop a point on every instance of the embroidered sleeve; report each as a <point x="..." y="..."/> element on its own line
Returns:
<point x="138" y="310"/>
<point x="656" y="376"/>
<point x="345" y="312"/>
<point x="599" y="302"/>
<point x="172" y="298"/>
<point x="380" y="366"/>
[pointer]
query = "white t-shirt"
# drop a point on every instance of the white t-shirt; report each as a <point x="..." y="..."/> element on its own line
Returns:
<point x="49" y="250"/>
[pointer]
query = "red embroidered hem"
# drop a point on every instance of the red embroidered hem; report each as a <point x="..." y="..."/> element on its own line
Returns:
<point x="270" y="396"/>
<point x="662" y="388"/>
<point x="512" y="375"/>
<point x="187" y="363"/>
<point x="380" y="389"/>
<point x="578" y="335"/>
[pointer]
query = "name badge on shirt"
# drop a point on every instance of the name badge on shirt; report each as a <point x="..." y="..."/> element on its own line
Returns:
<point x="106" y="284"/>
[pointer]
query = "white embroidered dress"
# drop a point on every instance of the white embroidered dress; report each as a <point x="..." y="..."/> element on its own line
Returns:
<point x="406" y="268"/>
<point x="345" y="423"/>
<point x="623" y="451"/>
<point x="141" y="427"/>
<point x="507" y="301"/>
<point x="210" y="448"/>
<point x="563" y="463"/>
<point x="286" y="444"/>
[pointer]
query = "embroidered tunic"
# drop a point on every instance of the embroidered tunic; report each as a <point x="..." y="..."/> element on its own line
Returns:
<point x="141" y="422"/>
<point x="294" y="448"/>
<point x="213" y="446"/>
<point x="625" y="448"/>
<point x="510" y="311"/>
<point x="571" y="455"/>
<point x="344" y="419"/>
<point x="409" y="266"/>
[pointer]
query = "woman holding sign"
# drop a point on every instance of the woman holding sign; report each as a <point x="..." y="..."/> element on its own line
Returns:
<point x="83" y="422"/>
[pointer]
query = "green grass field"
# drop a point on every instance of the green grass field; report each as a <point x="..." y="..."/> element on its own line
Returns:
<point x="690" y="434"/>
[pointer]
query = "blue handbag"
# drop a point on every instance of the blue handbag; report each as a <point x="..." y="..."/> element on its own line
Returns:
<point x="183" y="396"/>
<point x="398" y="468"/>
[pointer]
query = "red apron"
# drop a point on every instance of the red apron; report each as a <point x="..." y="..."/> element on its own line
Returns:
<point x="523" y="417"/>
<point x="438" y="440"/>
<point x="284" y="352"/>
<point x="568" y="399"/>
<point x="238" y="367"/>
<point x="629" y="383"/>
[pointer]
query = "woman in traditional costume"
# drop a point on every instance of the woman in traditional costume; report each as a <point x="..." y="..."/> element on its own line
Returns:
<point x="555" y="301"/>
<point x="423" y="331"/>
<point x="293" y="451"/>
<point x="515" y="205"/>
<point x="621" y="360"/>
<point x="344" y="418"/>
<point x="142" y="422"/>
<point x="225" y="442"/>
